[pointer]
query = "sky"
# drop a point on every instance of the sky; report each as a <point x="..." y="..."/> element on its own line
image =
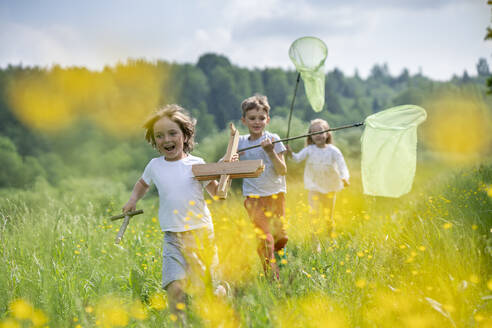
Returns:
<point x="439" y="38"/>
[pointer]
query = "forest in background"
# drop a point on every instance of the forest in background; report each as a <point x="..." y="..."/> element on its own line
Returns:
<point x="58" y="122"/>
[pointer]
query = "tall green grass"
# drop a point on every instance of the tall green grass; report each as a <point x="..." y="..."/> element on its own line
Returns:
<point x="424" y="260"/>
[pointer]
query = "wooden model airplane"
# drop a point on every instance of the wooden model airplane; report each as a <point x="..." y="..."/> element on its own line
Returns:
<point x="226" y="170"/>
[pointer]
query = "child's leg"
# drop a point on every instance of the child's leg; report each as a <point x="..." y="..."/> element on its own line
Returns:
<point x="203" y="260"/>
<point x="176" y="299"/>
<point x="267" y="256"/>
<point x="329" y="210"/>
<point x="278" y="208"/>
<point x="314" y="200"/>
<point x="256" y="212"/>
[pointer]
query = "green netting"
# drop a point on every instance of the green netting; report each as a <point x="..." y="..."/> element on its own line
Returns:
<point x="389" y="150"/>
<point x="308" y="55"/>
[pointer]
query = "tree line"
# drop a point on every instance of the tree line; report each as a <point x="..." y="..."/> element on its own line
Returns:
<point x="61" y="121"/>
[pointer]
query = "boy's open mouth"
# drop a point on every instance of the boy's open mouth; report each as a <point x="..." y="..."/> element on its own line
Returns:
<point x="169" y="148"/>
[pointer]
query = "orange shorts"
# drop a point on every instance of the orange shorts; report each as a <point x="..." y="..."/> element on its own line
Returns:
<point x="267" y="213"/>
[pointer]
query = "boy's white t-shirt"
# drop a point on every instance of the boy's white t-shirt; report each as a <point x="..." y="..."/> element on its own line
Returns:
<point x="182" y="206"/>
<point x="269" y="182"/>
<point x="325" y="168"/>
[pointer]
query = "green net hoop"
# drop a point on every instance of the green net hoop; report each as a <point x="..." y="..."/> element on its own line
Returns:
<point x="308" y="55"/>
<point x="389" y="150"/>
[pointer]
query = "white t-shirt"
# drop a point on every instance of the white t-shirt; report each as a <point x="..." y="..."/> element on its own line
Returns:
<point x="269" y="182"/>
<point x="325" y="168"/>
<point x="181" y="203"/>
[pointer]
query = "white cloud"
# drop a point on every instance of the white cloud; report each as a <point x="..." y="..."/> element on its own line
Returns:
<point x="30" y="46"/>
<point x="443" y="37"/>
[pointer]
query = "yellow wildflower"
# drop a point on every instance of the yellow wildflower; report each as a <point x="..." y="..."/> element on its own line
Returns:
<point x="138" y="311"/>
<point x="361" y="283"/>
<point x="111" y="312"/>
<point x="474" y="278"/>
<point x="39" y="318"/>
<point x="10" y="323"/>
<point x="21" y="309"/>
<point x="158" y="301"/>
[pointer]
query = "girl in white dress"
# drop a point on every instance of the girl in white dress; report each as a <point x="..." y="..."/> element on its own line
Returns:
<point x="325" y="172"/>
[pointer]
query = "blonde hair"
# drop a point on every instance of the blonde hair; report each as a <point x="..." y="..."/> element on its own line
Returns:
<point x="257" y="101"/>
<point x="324" y="125"/>
<point x="178" y="115"/>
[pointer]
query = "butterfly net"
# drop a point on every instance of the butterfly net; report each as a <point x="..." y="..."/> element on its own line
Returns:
<point x="308" y="55"/>
<point x="389" y="150"/>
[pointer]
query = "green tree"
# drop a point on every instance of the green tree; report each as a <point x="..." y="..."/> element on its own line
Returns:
<point x="223" y="101"/>
<point x="193" y="89"/>
<point x="483" y="67"/>
<point x="488" y="36"/>
<point x="208" y="62"/>
<point x="11" y="164"/>
<point x="276" y="86"/>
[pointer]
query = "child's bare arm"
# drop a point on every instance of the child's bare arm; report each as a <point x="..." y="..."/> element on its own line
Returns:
<point x="289" y="151"/>
<point x="277" y="158"/>
<point x="139" y="190"/>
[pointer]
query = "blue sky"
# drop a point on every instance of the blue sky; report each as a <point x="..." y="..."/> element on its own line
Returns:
<point x="439" y="37"/>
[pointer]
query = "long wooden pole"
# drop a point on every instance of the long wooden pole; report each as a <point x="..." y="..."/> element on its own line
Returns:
<point x="292" y="103"/>
<point x="307" y="135"/>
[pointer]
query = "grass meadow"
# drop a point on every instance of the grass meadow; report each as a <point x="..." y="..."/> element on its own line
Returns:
<point x="423" y="260"/>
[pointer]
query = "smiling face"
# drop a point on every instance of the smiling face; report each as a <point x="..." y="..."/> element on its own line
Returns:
<point x="169" y="139"/>
<point x="256" y="121"/>
<point x="319" y="139"/>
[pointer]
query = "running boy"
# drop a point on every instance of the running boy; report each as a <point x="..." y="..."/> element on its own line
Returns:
<point x="183" y="213"/>
<point x="265" y="200"/>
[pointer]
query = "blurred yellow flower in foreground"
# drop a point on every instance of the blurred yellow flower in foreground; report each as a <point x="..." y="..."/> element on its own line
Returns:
<point x="474" y="279"/>
<point x="458" y="113"/>
<point x="111" y="312"/>
<point x="9" y="323"/>
<point x="447" y="225"/>
<point x="404" y="309"/>
<point x="39" y="318"/>
<point x="315" y="310"/>
<point x="21" y="309"/>
<point x="138" y="311"/>
<point x="361" y="283"/>
<point x="215" y="312"/>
